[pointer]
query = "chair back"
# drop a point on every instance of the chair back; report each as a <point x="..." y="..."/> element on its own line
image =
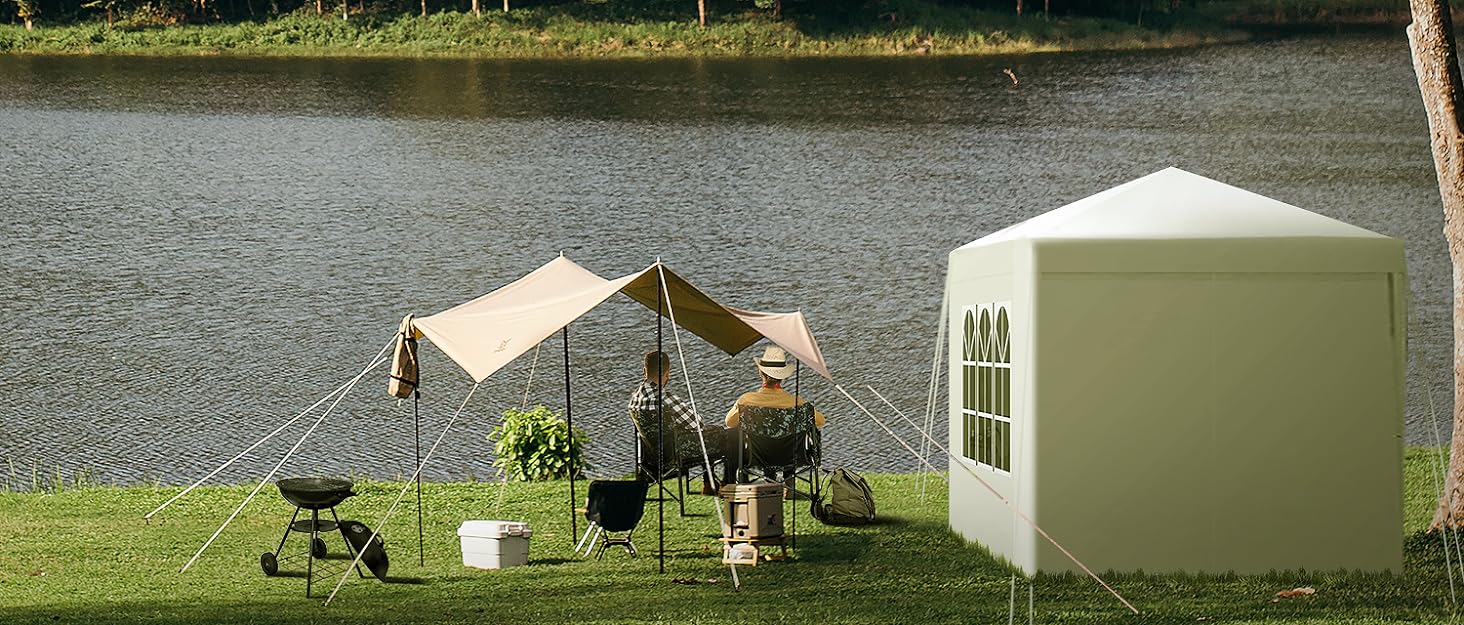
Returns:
<point x="677" y="443"/>
<point x="778" y="437"/>
<point x="617" y="505"/>
<point x="770" y="422"/>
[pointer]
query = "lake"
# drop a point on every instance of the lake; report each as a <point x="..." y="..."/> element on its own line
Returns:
<point x="198" y="249"/>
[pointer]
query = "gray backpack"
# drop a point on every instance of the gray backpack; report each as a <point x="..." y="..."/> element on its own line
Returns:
<point x="846" y="500"/>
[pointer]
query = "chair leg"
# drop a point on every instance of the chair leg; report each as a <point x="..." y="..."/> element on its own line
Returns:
<point x="793" y="520"/>
<point x="589" y="529"/>
<point x="681" y="489"/>
<point x="599" y="531"/>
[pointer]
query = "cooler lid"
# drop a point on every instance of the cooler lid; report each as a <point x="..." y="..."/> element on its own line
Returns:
<point x="755" y="489"/>
<point x="494" y="529"/>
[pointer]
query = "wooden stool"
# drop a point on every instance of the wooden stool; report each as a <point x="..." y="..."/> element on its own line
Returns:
<point x="757" y="544"/>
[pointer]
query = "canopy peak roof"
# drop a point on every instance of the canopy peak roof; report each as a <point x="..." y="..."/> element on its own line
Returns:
<point x="1175" y="204"/>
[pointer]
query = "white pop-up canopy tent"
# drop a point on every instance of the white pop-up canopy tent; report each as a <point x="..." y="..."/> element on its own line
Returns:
<point x="1179" y="375"/>
<point x="485" y="334"/>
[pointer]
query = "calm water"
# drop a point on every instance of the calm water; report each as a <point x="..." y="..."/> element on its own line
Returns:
<point x="197" y="249"/>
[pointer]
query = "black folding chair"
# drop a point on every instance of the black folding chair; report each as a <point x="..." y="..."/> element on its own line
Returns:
<point x="613" y="506"/>
<point x="780" y="439"/>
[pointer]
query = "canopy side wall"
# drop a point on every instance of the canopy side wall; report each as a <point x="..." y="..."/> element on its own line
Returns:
<point x="1000" y="273"/>
<point x="1220" y="421"/>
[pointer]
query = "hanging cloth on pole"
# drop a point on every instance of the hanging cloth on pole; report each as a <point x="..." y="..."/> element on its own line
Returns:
<point x="404" y="361"/>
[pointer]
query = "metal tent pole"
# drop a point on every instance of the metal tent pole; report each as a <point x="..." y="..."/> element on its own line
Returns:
<point x="660" y="425"/>
<point x="793" y="492"/>
<point x="417" y="429"/>
<point x="569" y="417"/>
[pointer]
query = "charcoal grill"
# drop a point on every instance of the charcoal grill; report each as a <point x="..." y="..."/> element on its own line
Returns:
<point x="313" y="494"/>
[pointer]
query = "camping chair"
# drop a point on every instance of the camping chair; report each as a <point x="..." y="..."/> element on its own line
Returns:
<point x="613" y="506"/>
<point x="679" y="455"/>
<point x="774" y="439"/>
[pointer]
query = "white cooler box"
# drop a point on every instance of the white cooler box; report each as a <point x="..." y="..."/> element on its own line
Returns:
<point x="494" y="544"/>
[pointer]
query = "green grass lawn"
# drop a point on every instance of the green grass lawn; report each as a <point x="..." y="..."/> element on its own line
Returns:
<point x="85" y="556"/>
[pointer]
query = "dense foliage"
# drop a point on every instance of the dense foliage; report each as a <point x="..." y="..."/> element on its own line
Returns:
<point x="536" y="444"/>
<point x="808" y="15"/>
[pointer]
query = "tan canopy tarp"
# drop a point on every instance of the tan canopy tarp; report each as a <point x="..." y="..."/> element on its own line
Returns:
<point x="729" y="329"/>
<point x="487" y="333"/>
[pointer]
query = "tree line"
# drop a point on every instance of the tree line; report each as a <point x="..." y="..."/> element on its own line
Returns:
<point x="33" y="13"/>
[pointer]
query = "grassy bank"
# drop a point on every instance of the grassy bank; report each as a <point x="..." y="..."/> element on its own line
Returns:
<point x="914" y="27"/>
<point x="82" y="555"/>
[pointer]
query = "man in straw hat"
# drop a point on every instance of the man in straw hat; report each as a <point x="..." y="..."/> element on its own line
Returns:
<point x="769" y="410"/>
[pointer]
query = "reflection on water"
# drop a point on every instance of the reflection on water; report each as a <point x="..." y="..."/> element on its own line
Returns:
<point x="197" y="249"/>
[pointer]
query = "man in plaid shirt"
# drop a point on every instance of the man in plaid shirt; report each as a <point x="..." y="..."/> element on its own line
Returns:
<point x="682" y="422"/>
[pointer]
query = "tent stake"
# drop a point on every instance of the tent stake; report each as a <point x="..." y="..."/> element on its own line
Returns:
<point x="569" y="418"/>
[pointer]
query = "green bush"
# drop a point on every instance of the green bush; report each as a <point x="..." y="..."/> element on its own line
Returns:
<point x="536" y="445"/>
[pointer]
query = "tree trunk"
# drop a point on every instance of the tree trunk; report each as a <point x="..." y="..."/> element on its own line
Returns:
<point x="477" y="9"/>
<point x="1431" y="37"/>
<point x="1019" y="8"/>
<point x="29" y="25"/>
<point x="424" y="8"/>
<point x="319" y="8"/>
<point x="505" y="6"/>
<point x="701" y="12"/>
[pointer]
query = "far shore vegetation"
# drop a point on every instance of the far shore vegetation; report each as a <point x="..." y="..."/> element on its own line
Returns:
<point x="653" y="28"/>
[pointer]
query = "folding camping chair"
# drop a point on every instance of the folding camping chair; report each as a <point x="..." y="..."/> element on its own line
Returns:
<point x="678" y="457"/>
<point x="780" y="439"/>
<point x="612" y="506"/>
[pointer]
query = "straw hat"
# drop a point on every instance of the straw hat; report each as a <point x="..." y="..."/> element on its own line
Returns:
<point x="774" y="363"/>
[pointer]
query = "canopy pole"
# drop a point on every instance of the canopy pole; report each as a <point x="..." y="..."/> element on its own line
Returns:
<point x="660" y="425"/>
<point x="417" y="432"/>
<point x="793" y="492"/>
<point x="569" y="417"/>
<point x="691" y="397"/>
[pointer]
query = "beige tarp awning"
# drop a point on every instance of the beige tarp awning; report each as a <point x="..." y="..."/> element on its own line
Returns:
<point x="487" y="333"/>
<point x="729" y="329"/>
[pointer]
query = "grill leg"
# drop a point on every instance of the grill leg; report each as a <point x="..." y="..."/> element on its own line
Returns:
<point x="288" y="528"/>
<point x="310" y="553"/>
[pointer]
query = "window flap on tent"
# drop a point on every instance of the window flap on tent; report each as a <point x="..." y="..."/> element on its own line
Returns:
<point x="485" y="334"/>
<point x="729" y="329"/>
